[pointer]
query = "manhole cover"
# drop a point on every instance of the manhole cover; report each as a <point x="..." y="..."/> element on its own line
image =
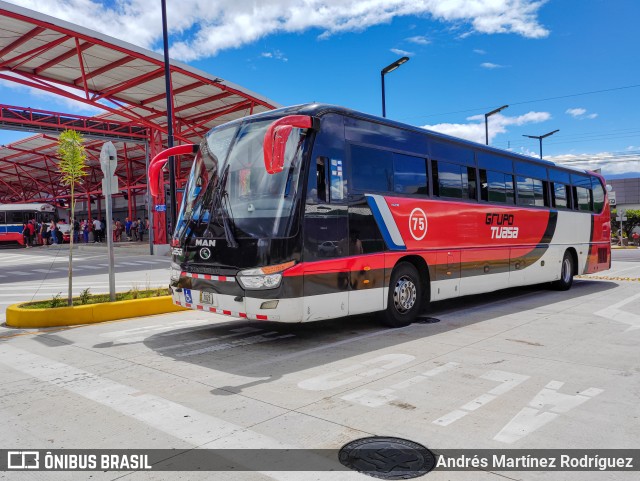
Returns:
<point x="427" y="320"/>
<point x="387" y="458"/>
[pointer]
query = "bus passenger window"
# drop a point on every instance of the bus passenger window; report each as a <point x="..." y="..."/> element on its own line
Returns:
<point x="584" y="198"/>
<point x="410" y="174"/>
<point x="598" y="195"/>
<point x="525" y="191"/>
<point x="449" y="180"/>
<point x="559" y="192"/>
<point x="371" y="169"/>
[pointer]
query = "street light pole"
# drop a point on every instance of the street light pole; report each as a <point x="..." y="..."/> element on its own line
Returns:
<point x="486" y="122"/>
<point x="386" y="70"/>
<point x="169" y="93"/>
<point x="540" y="137"/>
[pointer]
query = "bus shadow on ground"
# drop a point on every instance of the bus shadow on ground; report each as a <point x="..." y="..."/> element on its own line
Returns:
<point x="266" y="351"/>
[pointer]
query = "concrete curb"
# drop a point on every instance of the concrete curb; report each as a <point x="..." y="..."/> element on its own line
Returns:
<point x="89" y="314"/>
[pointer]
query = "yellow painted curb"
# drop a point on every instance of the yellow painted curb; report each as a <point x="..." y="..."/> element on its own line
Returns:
<point x="90" y="313"/>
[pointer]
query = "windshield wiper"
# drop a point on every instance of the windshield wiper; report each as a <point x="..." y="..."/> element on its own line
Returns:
<point x="218" y="209"/>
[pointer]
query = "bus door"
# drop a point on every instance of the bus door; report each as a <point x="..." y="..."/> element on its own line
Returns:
<point x="366" y="259"/>
<point x="447" y="283"/>
<point x="326" y="246"/>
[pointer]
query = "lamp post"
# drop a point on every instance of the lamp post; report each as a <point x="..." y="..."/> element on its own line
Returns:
<point x="386" y="70"/>
<point x="540" y="137"/>
<point x="486" y="123"/>
<point x="169" y="93"/>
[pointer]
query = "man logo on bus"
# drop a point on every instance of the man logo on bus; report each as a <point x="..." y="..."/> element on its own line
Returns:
<point x="418" y="224"/>
<point x="205" y="253"/>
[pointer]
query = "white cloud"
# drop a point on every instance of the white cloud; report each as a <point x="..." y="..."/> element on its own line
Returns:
<point x="419" y="39"/>
<point x="404" y="53"/>
<point x="576" y="112"/>
<point x="276" y="54"/>
<point x="490" y="65"/>
<point x="200" y="28"/>
<point x="580" y="113"/>
<point x="610" y="163"/>
<point x="479" y="51"/>
<point x="498" y="124"/>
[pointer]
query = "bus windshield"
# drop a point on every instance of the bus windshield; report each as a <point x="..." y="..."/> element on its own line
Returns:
<point x="229" y="192"/>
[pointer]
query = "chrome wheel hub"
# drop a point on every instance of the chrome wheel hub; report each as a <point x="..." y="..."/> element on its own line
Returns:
<point x="404" y="295"/>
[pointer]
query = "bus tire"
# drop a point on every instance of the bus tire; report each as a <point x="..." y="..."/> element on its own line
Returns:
<point x="566" y="274"/>
<point x="405" y="295"/>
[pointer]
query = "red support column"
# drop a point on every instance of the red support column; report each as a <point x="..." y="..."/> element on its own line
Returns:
<point x="128" y="166"/>
<point x="158" y="219"/>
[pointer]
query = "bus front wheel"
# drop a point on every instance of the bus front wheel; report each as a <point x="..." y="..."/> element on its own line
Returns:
<point x="566" y="274"/>
<point x="405" y="294"/>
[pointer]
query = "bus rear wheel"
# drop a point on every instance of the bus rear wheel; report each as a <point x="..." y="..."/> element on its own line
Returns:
<point x="405" y="295"/>
<point x="566" y="274"/>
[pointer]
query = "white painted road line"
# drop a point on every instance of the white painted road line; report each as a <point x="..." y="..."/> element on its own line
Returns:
<point x="614" y="313"/>
<point x="176" y="420"/>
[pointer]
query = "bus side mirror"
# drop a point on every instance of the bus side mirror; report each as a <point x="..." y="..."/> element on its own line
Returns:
<point x="275" y="140"/>
<point x="156" y="164"/>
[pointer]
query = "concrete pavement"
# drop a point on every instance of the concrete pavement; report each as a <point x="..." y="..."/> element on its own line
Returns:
<point x="524" y="368"/>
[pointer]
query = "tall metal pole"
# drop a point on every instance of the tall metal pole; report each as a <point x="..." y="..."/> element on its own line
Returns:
<point x="109" y="224"/>
<point x="148" y="198"/>
<point x="167" y="77"/>
<point x="384" y="110"/>
<point x="486" y="129"/>
<point x="540" y="147"/>
<point x="486" y="122"/>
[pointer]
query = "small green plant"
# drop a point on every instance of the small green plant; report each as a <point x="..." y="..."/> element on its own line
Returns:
<point x="135" y="291"/>
<point x="147" y="282"/>
<point x="84" y="296"/>
<point x="56" y="301"/>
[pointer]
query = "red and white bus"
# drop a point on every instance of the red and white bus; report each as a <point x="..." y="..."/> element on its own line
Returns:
<point x="317" y="212"/>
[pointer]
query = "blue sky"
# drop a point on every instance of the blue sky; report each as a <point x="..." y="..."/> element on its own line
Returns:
<point x="466" y="57"/>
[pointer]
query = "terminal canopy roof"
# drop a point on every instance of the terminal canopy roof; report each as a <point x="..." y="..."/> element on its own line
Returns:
<point x="125" y="81"/>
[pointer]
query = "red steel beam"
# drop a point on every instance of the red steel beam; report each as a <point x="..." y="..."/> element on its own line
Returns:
<point x="61" y="58"/>
<point x="101" y="70"/>
<point x="19" y="41"/>
<point x="179" y="90"/>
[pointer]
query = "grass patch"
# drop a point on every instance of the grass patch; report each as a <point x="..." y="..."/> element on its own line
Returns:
<point x="87" y="298"/>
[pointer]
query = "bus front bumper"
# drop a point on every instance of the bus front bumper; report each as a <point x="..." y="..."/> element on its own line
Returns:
<point x="244" y="307"/>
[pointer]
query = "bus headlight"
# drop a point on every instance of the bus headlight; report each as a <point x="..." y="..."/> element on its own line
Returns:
<point x="270" y="281"/>
<point x="268" y="277"/>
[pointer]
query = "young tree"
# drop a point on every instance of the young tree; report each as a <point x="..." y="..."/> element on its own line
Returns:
<point x="72" y="166"/>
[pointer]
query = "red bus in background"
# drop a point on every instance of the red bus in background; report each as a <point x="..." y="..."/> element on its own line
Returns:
<point x="317" y="212"/>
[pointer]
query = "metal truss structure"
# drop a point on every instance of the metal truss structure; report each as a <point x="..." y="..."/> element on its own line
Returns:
<point x="123" y="80"/>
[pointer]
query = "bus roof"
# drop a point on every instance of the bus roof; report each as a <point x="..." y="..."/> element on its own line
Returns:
<point x="316" y="109"/>
<point x="27" y="207"/>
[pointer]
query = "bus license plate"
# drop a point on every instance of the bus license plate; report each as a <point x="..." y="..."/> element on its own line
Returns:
<point x="208" y="298"/>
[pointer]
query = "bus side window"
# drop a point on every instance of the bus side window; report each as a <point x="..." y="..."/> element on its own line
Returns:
<point x="2" y="218"/>
<point x="450" y="180"/>
<point x="598" y="195"/>
<point x="410" y="174"/>
<point x="559" y="195"/>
